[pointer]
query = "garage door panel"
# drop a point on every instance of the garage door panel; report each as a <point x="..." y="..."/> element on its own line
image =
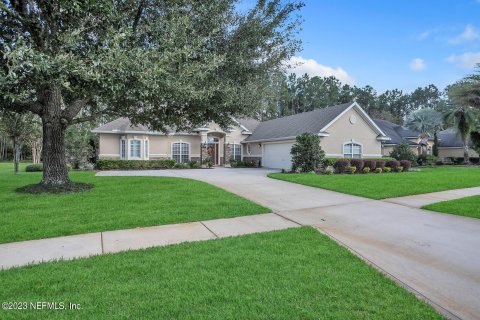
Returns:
<point x="277" y="155"/>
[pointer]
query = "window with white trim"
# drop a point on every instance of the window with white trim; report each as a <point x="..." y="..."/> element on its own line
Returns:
<point x="352" y="150"/>
<point x="249" y="148"/>
<point x="237" y="152"/>
<point x="135" y="146"/>
<point x="181" y="152"/>
<point x="123" y="149"/>
<point x="146" y="149"/>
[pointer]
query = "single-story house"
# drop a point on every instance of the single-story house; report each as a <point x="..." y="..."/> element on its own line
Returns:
<point x="400" y="134"/>
<point x="450" y="145"/>
<point x="345" y="131"/>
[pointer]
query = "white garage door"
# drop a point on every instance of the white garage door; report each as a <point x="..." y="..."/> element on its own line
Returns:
<point x="277" y="155"/>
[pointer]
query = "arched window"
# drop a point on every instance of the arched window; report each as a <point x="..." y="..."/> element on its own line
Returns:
<point x="352" y="150"/>
<point x="181" y="152"/>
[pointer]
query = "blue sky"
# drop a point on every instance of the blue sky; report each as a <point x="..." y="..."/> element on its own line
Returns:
<point x="390" y="44"/>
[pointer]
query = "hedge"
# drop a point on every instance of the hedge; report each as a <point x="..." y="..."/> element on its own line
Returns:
<point x="393" y="164"/>
<point x="38" y="167"/>
<point x="341" y="165"/>
<point x="107" y="164"/>
<point x="406" y="164"/>
<point x="371" y="164"/>
<point x="358" y="164"/>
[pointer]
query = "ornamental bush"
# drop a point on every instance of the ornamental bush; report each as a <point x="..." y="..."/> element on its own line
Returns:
<point x="403" y="151"/>
<point x="108" y="164"/>
<point x="406" y="164"/>
<point x="380" y="164"/>
<point x="307" y="155"/>
<point x="378" y="170"/>
<point x="329" y="170"/>
<point x="393" y="164"/>
<point x="341" y="165"/>
<point x="366" y="170"/>
<point x="369" y="163"/>
<point x="387" y="169"/>
<point x="351" y="169"/>
<point x="357" y="163"/>
<point x="399" y="169"/>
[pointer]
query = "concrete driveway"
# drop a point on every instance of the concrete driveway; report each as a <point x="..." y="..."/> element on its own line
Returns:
<point x="436" y="256"/>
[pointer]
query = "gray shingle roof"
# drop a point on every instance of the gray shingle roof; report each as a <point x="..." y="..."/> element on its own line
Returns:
<point x="396" y="133"/>
<point x="250" y="124"/>
<point x="450" y="139"/>
<point x="292" y="126"/>
<point x="121" y="125"/>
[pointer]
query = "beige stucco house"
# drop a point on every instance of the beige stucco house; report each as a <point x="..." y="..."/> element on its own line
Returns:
<point x="345" y="130"/>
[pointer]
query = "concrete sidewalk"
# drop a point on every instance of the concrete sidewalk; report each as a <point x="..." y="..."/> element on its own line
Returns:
<point x="420" y="200"/>
<point x="84" y="245"/>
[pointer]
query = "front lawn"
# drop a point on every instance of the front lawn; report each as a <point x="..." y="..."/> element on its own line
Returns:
<point x="468" y="207"/>
<point x="290" y="274"/>
<point x="389" y="185"/>
<point x="114" y="203"/>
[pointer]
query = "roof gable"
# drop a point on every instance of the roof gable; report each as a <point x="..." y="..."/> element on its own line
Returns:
<point x="398" y="134"/>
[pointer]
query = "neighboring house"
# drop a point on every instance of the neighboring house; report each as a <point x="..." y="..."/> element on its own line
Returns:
<point x="399" y="134"/>
<point x="450" y="145"/>
<point x="345" y="130"/>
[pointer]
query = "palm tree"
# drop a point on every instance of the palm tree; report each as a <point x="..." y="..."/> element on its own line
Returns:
<point x="427" y="121"/>
<point x="463" y="119"/>
<point x="467" y="91"/>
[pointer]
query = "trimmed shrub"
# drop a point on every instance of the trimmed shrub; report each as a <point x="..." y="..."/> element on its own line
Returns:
<point x="194" y="164"/>
<point x="366" y="170"/>
<point x="233" y="163"/>
<point x="351" y="169"/>
<point x="380" y="164"/>
<point x="181" y="166"/>
<point x="403" y="151"/>
<point x="378" y="170"/>
<point x="369" y="163"/>
<point x="399" y="169"/>
<point x="329" y="161"/>
<point x="357" y="163"/>
<point x="86" y="167"/>
<point x="393" y="164"/>
<point x="387" y="169"/>
<point x="38" y="167"/>
<point x="406" y="164"/>
<point x="208" y="162"/>
<point x="341" y="165"/>
<point x="329" y="170"/>
<point x="108" y="164"/>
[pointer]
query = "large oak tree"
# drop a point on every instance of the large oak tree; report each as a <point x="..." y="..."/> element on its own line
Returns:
<point x="159" y="62"/>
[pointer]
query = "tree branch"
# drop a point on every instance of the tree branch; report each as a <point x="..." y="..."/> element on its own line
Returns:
<point x="138" y="15"/>
<point x="24" y="106"/>
<point x="73" y="109"/>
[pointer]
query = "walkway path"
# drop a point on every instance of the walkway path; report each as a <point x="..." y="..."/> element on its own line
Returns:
<point x="434" y="255"/>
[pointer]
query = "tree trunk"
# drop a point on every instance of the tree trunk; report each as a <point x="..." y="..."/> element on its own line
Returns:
<point x="36" y="150"/>
<point x="16" y="153"/>
<point x="53" y="152"/>
<point x="466" y="157"/>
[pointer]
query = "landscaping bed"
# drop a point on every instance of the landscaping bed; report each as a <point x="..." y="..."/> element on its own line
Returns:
<point x="389" y="185"/>
<point x="114" y="203"/>
<point x="290" y="274"/>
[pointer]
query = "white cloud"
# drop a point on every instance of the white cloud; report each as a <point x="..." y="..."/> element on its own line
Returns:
<point x="301" y="66"/>
<point x="424" y="35"/>
<point x="417" y="64"/>
<point x="470" y="34"/>
<point x="466" y="60"/>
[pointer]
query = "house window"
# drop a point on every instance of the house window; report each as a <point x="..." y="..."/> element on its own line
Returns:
<point x="352" y="150"/>
<point x="237" y="152"/>
<point x="123" y="149"/>
<point x="249" y="149"/>
<point x="146" y="150"/>
<point x="135" y="149"/>
<point x="181" y="152"/>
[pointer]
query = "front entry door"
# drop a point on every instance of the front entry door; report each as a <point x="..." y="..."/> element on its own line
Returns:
<point x="213" y="152"/>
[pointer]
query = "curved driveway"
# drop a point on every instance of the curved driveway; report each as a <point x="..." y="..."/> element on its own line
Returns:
<point x="436" y="256"/>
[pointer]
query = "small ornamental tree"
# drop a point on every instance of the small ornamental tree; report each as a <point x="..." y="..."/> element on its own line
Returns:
<point x="403" y="151"/>
<point x="307" y="155"/>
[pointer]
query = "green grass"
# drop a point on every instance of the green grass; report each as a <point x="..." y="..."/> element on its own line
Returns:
<point x="290" y="274"/>
<point x="389" y="185"/>
<point x="114" y="203"/>
<point x="468" y="207"/>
